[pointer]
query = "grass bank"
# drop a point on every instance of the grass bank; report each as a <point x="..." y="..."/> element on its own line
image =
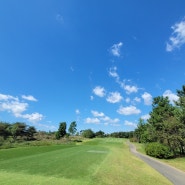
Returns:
<point x="96" y="162"/>
<point x="178" y="163"/>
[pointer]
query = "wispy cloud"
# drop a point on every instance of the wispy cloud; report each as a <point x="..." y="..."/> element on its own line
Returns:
<point x="97" y="114"/>
<point x="60" y="18"/>
<point x="130" y="89"/>
<point x="129" y="123"/>
<point x="136" y="99"/>
<point x="114" y="97"/>
<point x="99" y="91"/>
<point x="177" y="38"/>
<point x="91" y="98"/>
<point x="129" y="110"/>
<point x="92" y="120"/>
<point x="29" y="97"/>
<point x="123" y="84"/>
<point x="147" y="98"/>
<point x="172" y="97"/>
<point x="101" y="118"/>
<point x="115" y="49"/>
<point x="77" y="111"/>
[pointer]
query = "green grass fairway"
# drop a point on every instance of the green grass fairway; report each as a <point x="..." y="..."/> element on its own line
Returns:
<point x="95" y="162"/>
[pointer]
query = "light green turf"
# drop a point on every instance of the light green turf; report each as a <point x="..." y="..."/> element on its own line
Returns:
<point x="95" y="162"/>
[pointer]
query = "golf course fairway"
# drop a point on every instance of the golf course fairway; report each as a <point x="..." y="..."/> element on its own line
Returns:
<point x="94" y="162"/>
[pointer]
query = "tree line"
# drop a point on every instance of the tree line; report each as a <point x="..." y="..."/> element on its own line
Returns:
<point x="16" y="131"/>
<point x="87" y="133"/>
<point x="164" y="131"/>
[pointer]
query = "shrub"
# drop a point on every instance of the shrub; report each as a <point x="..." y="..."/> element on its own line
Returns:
<point x="88" y="133"/>
<point x="158" y="150"/>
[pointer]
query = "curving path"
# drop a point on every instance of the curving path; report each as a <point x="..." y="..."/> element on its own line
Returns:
<point x="176" y="176"/>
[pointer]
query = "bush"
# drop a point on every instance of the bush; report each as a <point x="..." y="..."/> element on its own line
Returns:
<point x="88" y="133"/>
<point x="158" y="150"/>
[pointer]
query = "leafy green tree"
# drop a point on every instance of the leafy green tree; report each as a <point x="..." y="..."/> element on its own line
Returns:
<point x="61" y="131"/>
<point x="18" y="129"/>
<point x="72" y="128"/>
<point x="181" y="104"/>
<point x="100" y="134"/>
<point x="181" y="117"/>
<point x="4" y="130"/>
<point x="30" y="132"/>
<point x="88" y="133"/>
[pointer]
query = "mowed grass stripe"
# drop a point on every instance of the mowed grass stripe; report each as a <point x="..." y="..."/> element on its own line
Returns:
<point x="75" y="165"/>
<point x="73" y="162"/>
<point x="121" y="167"/>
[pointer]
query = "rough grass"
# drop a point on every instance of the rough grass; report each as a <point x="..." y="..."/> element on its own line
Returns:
<point x="178" y="163"/>
<point x="74" y="165"/>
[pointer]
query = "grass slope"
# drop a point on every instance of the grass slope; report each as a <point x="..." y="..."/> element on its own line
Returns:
<point x="98" y="161"/>
<point x="178" y="162"/>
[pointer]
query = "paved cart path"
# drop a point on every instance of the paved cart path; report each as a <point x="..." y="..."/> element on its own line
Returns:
<point x="176" y="176"/>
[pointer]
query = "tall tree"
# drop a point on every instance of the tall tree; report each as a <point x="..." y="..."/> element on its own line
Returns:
<point x="181" y="116"/>
<point x="181" y="103"/>
<point x="72" y="128"/>
<point x="61" y="130"/>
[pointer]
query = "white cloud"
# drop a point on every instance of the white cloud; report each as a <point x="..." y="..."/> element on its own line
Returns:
<point x="172" y="97"/>
<point x="130" y="89"/>
<point x="177" y="38"/>
<point x="34" y="117"/>
<point x="113" y="73"/>
<point x="128" y="123"/>
<point x="109" y="120"/>
<point x="115" y="49"/>
<point x="114" y="97"/>
<point x="13" y="105"/>
<point x="100" y="117"/>
<point x="99" y="91"/>
<point x="147" y="98"/>
<point x="145" y="117"/>
<point x="97" y="114"/>
<point x="7" y="97"/>
<point x="77" y="111"/>
<point x="29" y="97"/>
<point x="136" y="99"/>
<point x="92" y="120"/>
<point x="128" y="110"/>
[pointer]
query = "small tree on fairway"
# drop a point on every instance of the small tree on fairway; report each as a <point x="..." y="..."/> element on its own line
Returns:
<point x="72" y="128"/>
<point x="61" y="131"/>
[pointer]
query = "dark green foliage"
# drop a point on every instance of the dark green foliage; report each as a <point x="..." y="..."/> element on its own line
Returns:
<point x="4" y="130"/>
<point x="30" y="132"/>
<point x="158" y="150"/>
<point x="61" y="131"/>
<point x="166" y="124"/>
<point x="100" y="134"/>
<point x="72" y="128"/>
<point x="120" y="134"/>
<point x="88" y="133"/>
<point x="18" y="129"/>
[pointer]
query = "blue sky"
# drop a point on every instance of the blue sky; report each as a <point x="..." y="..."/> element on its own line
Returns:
<point x="98" y="63"/>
